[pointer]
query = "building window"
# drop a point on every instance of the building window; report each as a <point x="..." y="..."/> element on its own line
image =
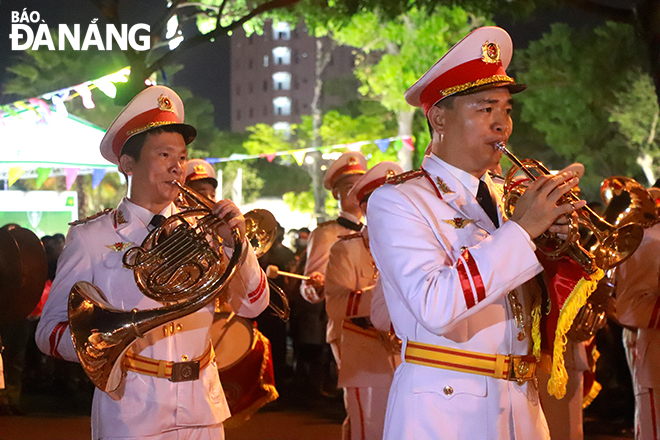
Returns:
<point x="265" y="60"/>
<point x="282" y="106"/>
<point x="282" y="56"/>
<point x="281" y="31"/>
<point x="282" y="81"/>
<point x="283" y="128"/>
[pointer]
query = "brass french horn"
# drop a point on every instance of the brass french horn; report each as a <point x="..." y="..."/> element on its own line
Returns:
<point x="180" y="264"/>
<point x="614" y="244"/>
<point x="260" y="230"/>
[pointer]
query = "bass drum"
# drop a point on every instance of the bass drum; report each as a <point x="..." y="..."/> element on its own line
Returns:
<point x="245" y="366"/>
<point x="23" y="272"/>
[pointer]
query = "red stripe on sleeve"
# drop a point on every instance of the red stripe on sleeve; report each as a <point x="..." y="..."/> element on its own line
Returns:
<point x="56" y="337"/>
<point x="261" y="288"/>
<point x="465" y="284"/>
<point x="476" y="277"/>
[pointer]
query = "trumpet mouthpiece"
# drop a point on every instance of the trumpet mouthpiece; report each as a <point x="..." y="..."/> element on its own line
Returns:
<point x="501" y="146"/>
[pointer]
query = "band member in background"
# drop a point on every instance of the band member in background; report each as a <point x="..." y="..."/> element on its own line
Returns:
<point x="365" y="364"/>
<point x="453" y="269"/>
<point x="200" y="176"/>
<point x="148" y="141"/>
<point x="638" y="308"/>
<point x="340" y="178"/>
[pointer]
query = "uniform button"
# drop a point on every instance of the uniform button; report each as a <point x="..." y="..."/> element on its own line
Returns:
<point x="184" y="358"/>
<point x="448" y="390"/>
<point x="179" y="327"/>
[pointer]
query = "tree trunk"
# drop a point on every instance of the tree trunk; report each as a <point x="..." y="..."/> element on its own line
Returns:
<point x="405" y="121"/>
<point x="645" y="160"/>
<point x="82" y="196"/>
<point x="324" y="48"/>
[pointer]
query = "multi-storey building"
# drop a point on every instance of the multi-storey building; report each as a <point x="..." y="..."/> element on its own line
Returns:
<point x="273" y="76"/>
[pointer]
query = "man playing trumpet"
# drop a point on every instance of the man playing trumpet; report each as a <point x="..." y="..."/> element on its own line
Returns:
<point x="454" y="270"/>
<point x="148" y="141"/>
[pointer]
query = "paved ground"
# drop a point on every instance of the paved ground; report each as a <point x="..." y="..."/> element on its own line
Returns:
<point x="60" y="417"/>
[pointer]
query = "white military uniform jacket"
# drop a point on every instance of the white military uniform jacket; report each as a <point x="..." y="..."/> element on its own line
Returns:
<point x="318" y="250"/>
<point x="145" y="405"/>
<point x="446" y="271"/>
<point x="638" y="305"/>
<point x="364" y="358"/>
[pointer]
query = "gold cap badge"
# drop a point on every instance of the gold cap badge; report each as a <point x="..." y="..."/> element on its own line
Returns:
<point x="165" y="104"/>
<point x="491" y="52"/>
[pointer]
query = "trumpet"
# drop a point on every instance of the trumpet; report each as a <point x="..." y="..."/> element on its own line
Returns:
<point x="614" y="244"/>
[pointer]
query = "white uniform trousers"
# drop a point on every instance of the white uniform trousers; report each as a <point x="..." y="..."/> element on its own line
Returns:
<point x="647" y="406"/>
<point x="366" y="408"/>
<point x="215" y="432"/>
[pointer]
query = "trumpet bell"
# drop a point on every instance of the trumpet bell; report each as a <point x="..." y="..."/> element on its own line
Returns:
<point x="261" y="230"/>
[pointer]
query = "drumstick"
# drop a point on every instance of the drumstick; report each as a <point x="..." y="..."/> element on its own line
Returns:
<point x="272" y="272"/>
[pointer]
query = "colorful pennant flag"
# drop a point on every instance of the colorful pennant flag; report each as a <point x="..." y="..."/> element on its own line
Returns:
<point x="407" y="141"/>
<point x="97" y="176"/>
<point x="382" y="144"/>
<point x="86" y="95"/>
<point x="42" y="175"/>
<point x="14" y="174"/>
<point x="71" y="174"/>
<point x="299" y="156"/>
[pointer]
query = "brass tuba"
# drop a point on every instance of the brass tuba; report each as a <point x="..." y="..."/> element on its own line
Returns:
<point x="181" y="264"/>
<point x="614" y="244"/>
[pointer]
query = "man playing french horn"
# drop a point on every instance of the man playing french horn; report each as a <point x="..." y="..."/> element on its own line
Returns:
<point x="454" y="269"/>
<point x="168" y="385"/>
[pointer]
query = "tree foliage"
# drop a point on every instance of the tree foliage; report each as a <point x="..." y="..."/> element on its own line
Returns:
<point x="581" y="90"/>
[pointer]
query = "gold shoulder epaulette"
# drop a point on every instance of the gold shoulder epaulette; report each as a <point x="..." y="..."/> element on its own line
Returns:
<point x="350" y="236"/>
<point x="404" y="177"/>
<point x="328" y="223"/>
<point x="91" y="217"/>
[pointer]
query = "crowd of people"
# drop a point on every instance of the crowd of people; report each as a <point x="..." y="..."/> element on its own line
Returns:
<point x="427" y="320"/>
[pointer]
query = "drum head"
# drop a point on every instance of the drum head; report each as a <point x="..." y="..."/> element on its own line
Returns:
<point x="232" y="340"/>
<point x="23" y="273"/>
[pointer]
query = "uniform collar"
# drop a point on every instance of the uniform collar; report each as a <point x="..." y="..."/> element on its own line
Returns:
<point x="351" y="218"/>
<point x="459" y="189"/>
<point x="470" y="182"/>
<point x="131" y="220"/>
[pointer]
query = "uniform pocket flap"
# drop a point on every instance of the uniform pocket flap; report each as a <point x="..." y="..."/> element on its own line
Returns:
<point x="448" y="383"/>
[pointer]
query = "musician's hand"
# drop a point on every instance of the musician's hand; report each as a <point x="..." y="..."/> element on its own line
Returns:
<point x="317" y="280"/>
<point x="536" y="210"/>
<point x="228" y="211"/>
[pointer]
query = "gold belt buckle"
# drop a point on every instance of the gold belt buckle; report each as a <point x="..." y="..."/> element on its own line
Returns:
<point x="185" y="371"/>
<point x="521" y="370"/>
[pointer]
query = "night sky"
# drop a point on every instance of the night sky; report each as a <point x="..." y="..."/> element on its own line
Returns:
<point x="206" y="70"/>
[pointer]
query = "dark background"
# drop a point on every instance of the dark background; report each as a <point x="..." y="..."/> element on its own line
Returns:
<point x="206" y="70"/>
